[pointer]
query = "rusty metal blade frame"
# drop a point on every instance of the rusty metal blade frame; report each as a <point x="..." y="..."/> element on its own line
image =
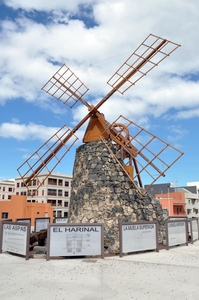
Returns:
<point x="137" y="66"/>
<point x="41" y="158"/>
<point x="92" y="109"/>
<point x="136" y="161"/>
<point x="60" y="82"/>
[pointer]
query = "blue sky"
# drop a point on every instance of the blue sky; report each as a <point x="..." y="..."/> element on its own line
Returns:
<point x="93" y="38"/>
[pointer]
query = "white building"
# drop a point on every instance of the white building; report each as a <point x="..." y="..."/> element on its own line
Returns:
<point x="192" y="204"/>
<point x="191" y="195"/>
<point x="195" y="183"/>
<point x="7" y="189"/>
<point x="55" y="190"/>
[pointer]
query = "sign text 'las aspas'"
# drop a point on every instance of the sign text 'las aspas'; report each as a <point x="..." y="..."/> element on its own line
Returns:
<point x="15" y="238"/>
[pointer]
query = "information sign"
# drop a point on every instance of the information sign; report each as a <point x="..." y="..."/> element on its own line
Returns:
<point x="75" y="240"/>
<point x="15" y="238"/>
<point x="194" y="229"/>
<point x="27" y="220"/>
<point x="61" y="220"/>
<point x="138" y="236"/>
<point x="41" y="223"/>
<point x="176" y="232"/>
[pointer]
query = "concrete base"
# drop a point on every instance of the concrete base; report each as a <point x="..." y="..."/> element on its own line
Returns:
<point x="42" y="256"/>
<point x="167" y="274"/>
<point x="39" y="250"/>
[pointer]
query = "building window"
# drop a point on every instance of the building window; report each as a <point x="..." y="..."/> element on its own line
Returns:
<point x="22" y="184"/>
<point x="9" y="197"/>
<point x="66" y="214"/>
<point x="9" y="189"/>
<point x="52" y="181"/>
<point x="66" y="183"/>
<point x="17" y="184"/>
<point x="17" y="193"/>
<point x="3" y="196"/>
<point x="59" y="213"/>
<point x="60" y="182"/>
<point x="65" y="204"/>
<point x="42" y="192"/>
<point x="52" y="202"/>
<point x="59" y="202"/>
<point x="34" y="182"/>
<point x="52" y="192"/>
<point x="4" y="215"/>
<point x="3" y="188"/>
<point x="59" y="192"/>
<point x="23" y="193"/>
<point x="66" y="193"/>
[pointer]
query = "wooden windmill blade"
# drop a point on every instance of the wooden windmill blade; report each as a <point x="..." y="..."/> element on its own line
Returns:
<point x="66" y="87"/>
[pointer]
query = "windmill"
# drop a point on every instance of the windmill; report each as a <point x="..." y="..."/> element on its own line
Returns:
<point x="141" y="151"/>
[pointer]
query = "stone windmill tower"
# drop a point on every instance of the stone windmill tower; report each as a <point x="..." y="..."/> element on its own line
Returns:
<point x="107" y="176"/>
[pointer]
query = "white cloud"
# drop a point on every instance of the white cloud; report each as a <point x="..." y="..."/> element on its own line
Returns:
<point x="176" y="133"/>
<point x="187" y="114"/>
<point x="29" y="50"/>
<point x="46" y="34"/>
<point x="46" y="5"/>
<point x="23" y="132"/>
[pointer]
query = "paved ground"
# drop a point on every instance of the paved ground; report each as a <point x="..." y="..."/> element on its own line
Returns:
<point x="172" y="274"/>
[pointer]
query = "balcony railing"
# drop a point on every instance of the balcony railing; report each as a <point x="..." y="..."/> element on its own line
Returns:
<point x="52" y="194"/>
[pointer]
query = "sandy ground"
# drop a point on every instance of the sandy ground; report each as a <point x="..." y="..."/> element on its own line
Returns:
<point x="171" y="275"/>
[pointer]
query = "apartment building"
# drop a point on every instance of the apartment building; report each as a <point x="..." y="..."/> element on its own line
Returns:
<point x="176" y="203"/>
<point x="7" y="189"/>
<point x="55" y="190"/>
<point x="192" y="203"/>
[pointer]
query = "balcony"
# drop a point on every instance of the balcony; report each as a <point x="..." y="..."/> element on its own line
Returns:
<point x="52" y="181"/>
<point x="52" y="202"/>
<point x="52" y="194"/>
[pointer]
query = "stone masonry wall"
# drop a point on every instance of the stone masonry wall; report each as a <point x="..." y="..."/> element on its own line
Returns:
<point x="102" y="193"/>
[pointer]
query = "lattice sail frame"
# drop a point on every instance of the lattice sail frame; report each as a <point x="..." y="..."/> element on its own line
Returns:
<point x="153" y="154"/>
<point x="142" y="61"/>
<point x="66" y="87"/>
<point x="38" y="157"/>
